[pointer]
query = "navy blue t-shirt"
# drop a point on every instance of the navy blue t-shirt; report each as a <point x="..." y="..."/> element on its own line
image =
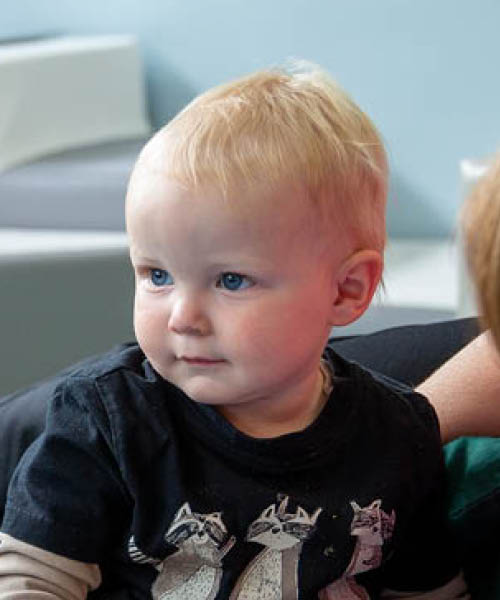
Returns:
<point x="171" y="501"/>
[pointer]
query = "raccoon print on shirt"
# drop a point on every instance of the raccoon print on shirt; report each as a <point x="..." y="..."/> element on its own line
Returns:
<point x="195" y="570"/>
<point x="273" y="573"/>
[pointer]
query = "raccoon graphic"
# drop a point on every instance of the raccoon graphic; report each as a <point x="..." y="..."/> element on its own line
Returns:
<point x="273" y="573"/>
<point x="195" y="570"/>
<point x="372" y="527"/>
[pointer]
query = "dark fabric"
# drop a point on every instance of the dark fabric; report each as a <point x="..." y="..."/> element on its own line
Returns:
<point x="130" y="470"/>
<point x="22" y="419"/>
<point x="409" y="353"/>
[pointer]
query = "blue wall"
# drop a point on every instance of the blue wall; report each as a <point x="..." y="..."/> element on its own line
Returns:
<point x="426" y="71"/>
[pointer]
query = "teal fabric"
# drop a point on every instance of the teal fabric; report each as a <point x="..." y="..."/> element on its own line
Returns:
<point x="473" y="471"/>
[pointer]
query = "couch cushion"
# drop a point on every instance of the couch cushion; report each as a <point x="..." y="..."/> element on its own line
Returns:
<point x="66" y="92"/>
<point x="77" y="189"/>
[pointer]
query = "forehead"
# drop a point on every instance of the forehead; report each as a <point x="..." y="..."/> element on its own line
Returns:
<point x="284" y="208"/>
<point x="280" y="223"/>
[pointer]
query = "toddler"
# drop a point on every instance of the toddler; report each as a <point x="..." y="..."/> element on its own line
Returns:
<point x="231" y="453"/>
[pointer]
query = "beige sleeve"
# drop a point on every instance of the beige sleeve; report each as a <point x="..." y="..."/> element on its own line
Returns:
<point x="30" y="573"/>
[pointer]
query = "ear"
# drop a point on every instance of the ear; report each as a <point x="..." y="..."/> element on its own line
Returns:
<point x="355" y="284"/>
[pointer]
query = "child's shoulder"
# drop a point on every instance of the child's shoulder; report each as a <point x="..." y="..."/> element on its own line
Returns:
<point x="381" y="399"/>
<point x="117" y="394"/>
<point x="111" y="385"/>
<point x="124" y="357"/>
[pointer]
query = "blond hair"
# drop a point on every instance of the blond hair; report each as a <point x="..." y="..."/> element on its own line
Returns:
<point x="480" y="221"/>
<point x="276" y="126"/>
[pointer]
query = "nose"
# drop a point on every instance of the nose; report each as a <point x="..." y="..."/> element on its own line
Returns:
<point x="188" y="316"/>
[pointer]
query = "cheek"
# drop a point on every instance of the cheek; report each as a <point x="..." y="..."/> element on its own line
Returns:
<point x="148" y="325"/>
<point x="294" y="328"/>
<point x="248" y="332"/>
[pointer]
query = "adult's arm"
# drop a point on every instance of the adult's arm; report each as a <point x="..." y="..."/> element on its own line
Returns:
<point x="465" y="391"/>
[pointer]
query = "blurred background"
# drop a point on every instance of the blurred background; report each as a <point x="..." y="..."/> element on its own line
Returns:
<point x="82" y="85"/>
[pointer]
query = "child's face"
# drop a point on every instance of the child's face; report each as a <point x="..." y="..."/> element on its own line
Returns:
<point x="232" y="302"/>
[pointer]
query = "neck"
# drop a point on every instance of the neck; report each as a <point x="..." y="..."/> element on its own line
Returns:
<point x="282" y="415"/>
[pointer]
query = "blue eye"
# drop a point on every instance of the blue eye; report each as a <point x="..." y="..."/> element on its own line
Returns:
<point x="160" y="277"/>
<point x="234" y="281"/>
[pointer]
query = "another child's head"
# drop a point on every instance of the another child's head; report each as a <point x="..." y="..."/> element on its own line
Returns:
<point x="257" y="222"/>
<point x="481" y="227"/>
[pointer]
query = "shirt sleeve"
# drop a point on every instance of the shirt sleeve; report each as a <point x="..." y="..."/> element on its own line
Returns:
<point x="424" y="558"/>
<point x="67" y="495"/>
<point x="30" y="573"/>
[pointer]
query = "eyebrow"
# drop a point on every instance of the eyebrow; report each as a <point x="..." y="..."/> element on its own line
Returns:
<point x="140" y="258"/>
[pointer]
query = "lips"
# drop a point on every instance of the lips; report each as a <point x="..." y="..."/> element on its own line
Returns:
<point x="200" y="360"/>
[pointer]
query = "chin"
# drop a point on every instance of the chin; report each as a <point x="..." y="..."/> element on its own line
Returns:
<point x="201" y="392"/>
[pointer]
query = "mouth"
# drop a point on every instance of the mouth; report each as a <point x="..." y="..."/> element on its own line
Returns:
<point x="201" y="361"/>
